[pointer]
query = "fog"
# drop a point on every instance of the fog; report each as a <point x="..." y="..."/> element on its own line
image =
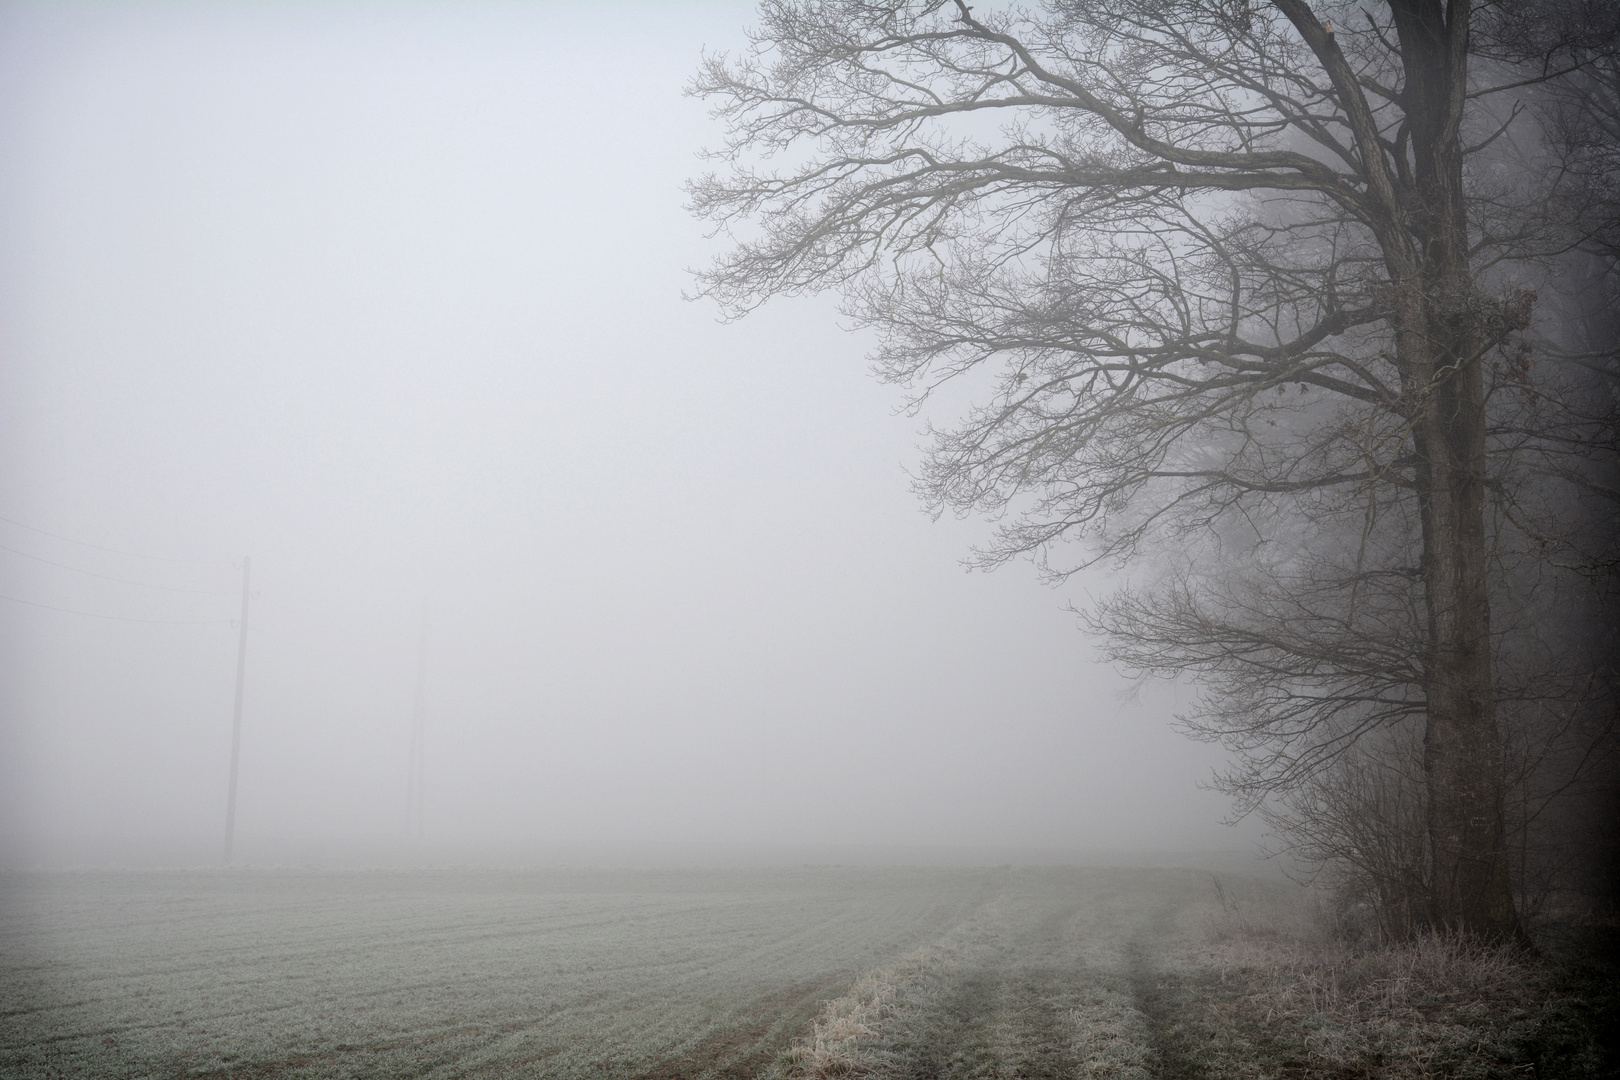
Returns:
<point x="389" y="299"/>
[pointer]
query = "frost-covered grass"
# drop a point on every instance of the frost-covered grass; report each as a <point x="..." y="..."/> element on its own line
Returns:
<point x="1033" y="974"/>
<point x="392" y="974"/>
<point x="1037" y="983"/>
<point x="1140" y="974"/>
<point x="1270" y="991"/>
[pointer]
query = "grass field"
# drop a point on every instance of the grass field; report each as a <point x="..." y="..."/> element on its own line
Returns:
<point x="680" y="975"/>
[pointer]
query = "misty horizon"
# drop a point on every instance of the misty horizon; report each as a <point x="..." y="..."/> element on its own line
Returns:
<point x="391" y="301"/>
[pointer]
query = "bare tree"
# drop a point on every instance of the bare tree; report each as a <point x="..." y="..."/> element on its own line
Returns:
<point x="1360" y="827"/>
<point x="1233" y="294"/>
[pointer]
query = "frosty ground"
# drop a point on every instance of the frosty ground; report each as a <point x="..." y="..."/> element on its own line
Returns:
<point x="809" y="972"/>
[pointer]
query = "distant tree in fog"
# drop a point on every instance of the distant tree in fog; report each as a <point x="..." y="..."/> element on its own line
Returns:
<point x="1239" y="287"/>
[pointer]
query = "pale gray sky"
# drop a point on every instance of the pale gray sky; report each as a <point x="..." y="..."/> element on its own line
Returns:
<point x="389" y="298"/>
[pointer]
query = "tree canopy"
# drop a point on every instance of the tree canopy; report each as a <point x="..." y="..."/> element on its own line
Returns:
<point x="1249" y="287"/>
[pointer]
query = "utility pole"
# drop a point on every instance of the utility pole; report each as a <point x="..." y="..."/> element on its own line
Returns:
<point x="417" y="767"/>
<point x="236" y="719"/>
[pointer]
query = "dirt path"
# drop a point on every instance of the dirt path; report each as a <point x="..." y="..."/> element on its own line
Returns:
<point x="1054" y="977"/>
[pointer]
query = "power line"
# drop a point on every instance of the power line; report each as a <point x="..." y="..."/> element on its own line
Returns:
<point x="98" y="547"/>
<point x="118" y="618"/>
<point x="108" y="577"/>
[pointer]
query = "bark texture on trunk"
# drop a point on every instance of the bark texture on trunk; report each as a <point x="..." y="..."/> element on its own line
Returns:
<point x="1439" y="341"/>
<point x="1462" y="758"/>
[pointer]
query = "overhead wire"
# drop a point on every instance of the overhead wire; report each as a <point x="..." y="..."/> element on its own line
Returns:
<point x="118" y="618"/>
<point x="109" y="577"/>
<point x="98" y="547"/>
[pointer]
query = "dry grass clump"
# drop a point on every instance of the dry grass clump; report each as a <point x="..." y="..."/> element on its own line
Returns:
<point x="1326" y="978"/>
<point x="1438" y="1005"/>
<point x="833" y="1047"/>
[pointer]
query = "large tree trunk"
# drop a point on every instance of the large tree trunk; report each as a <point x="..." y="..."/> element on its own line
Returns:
<point x="1462" y="758"/>
<point x="1440" y="339"/>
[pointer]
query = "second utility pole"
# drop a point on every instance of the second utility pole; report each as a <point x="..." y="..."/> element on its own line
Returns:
<point x="415" y="777"/>
<point x="236" y="720"/>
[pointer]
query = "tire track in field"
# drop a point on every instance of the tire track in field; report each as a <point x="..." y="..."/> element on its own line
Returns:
<point x="1060" y="974"/>
<point x="1005" y="1015"/>
<point x="743" y="1052"/>
<point x="1164" y="999"/>
<point x="994" y="1023"/>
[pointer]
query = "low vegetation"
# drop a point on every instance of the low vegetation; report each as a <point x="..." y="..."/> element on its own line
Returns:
<point x="1281" y="986"/>
<point x="1036" y="974"/>
<point x="578" y="974"/>
<point x="1264" y="983"/>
